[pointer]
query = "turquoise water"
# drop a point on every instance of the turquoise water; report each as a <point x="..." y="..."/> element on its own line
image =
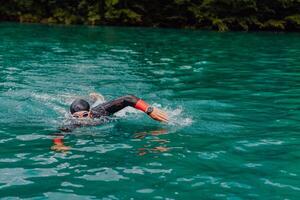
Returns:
<point x="233" y="101"/>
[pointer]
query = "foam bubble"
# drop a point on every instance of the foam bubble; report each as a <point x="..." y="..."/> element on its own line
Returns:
<point x="185" y="67"/>
<point x="166" y="59"/>
<point x="201" y="62"/>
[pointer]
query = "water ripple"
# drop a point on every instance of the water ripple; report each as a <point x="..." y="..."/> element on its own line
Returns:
<point x="233" y="104"/>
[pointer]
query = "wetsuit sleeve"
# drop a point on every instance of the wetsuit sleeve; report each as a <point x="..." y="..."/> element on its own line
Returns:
<point x="118" y="104"/>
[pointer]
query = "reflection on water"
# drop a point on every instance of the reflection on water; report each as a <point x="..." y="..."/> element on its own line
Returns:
<point x="233" y="100"/>
<point x="154" y="144"/>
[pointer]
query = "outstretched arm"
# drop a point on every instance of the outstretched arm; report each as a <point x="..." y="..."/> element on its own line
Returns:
<point x="118" y="104"/>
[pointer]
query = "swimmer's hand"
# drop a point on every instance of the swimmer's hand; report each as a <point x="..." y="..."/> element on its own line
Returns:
<point x="60" y="147"/>
<point x="159" y="115"/>
<point x="96" y="97"/>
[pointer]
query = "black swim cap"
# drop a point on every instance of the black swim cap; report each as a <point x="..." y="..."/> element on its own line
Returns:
<point x="79" y="105"/>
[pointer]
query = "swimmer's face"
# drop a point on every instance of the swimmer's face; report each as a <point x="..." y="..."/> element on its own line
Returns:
<point x="81" y="114"/>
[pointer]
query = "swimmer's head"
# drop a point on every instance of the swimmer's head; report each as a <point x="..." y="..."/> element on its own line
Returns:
<point x="79" y="105"/>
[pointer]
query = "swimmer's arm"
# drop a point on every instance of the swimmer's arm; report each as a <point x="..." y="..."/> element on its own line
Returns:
<point x="137" y="103"/>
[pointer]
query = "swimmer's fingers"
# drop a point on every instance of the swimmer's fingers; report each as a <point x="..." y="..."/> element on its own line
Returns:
<point x="159" y="115"/>
<point x="163" y="116"/>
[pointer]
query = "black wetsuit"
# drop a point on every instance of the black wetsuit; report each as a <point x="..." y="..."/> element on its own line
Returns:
<point x="104" y="109"/>
<point x="113" y="106"/>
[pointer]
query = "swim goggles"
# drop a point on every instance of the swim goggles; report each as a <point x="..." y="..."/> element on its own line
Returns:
<point x="81" y="114"/>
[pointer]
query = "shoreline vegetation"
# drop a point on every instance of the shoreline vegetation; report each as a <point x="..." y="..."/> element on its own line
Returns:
<point x="221" y="15"/>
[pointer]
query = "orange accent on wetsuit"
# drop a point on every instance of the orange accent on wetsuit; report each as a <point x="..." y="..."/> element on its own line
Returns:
<point x="141" y="105"/>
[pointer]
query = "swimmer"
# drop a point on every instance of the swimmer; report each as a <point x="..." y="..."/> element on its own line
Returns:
<point x="81" y="109"/>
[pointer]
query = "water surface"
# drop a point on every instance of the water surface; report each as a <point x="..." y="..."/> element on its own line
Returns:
<point x="233" y="99"/>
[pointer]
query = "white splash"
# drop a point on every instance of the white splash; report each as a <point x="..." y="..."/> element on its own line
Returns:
<point x="176" y="116"/>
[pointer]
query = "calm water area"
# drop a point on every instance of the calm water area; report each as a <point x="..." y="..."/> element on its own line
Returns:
<point x="233" y="100"/>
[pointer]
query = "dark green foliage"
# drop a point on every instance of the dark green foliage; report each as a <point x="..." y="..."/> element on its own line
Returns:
<point x="221" y="15"/>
